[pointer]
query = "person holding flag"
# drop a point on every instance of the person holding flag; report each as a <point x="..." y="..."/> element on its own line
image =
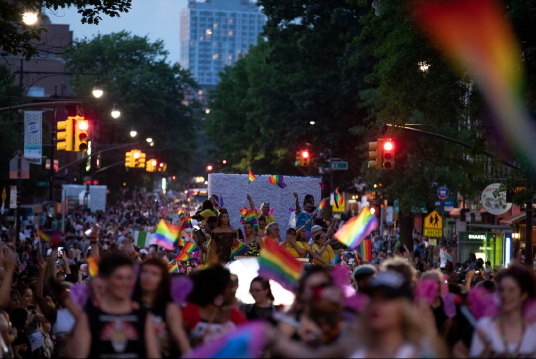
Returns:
<point x="265" y="210"/>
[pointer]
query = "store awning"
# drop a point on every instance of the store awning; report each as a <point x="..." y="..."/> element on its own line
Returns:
<point x="513" y="219"/>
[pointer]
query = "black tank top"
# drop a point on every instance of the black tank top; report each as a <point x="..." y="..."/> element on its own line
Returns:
<point x="117" y="335"/>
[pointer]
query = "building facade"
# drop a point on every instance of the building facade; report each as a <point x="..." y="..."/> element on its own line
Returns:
<point x="215" y="33"/>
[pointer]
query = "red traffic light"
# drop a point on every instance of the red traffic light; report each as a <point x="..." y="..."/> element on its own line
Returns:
<point x="224" y="162"/>
<point x="388" y="146"/>
<point x="305" y="154"/>
<point x="83" y="125"/>
<point x="209" y="168"/>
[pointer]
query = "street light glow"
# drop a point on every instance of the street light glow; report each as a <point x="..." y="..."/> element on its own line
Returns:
<point x="149" y="139"/>
<point x="115" y="111"/>
<point x="312" y="122"/>
<point x="133" y="133"/>
<point x="29" y="17"/>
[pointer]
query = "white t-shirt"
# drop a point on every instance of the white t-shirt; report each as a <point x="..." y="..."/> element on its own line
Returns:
<point x="405" y="351"/>
<point x="491" y="328"/>
<point x="64" y="323"/>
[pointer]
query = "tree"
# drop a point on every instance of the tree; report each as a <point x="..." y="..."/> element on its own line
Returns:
<point x="17" y="37"/>
<point x="151" y="93"/>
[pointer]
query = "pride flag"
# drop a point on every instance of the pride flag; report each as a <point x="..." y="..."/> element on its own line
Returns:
<point x="251" y="176"/>
<point x="357" y="228"/>
<point x="476" y="36"/>
<point x="251" y="217"/>
<point x="276" y="263"/>
<point x="181" y="212"/>
<point x="182" y="241"/>
<point x="338" y="198"/>
<point x="182" y="257"/>
<point x="92" y="266"/>
<point x="173" y="268"/>
<point x="166" y="235"/>
<point x="186" y="223"/>
<point x="49" y="235"/>
<point x="239" y="248"/>
<point x="243" y="213"/>
<point x="449" y="257"/>
<point x="189" y="247"/>
<point x="365" y="249"/>
<point x="277" y="180"/>
<point x="245" y="342"/>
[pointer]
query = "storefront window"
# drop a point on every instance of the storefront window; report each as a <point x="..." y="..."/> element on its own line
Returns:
<point x="485" y="245"/>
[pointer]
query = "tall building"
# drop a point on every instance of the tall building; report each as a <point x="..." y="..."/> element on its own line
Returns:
<point x="214" y="34"/>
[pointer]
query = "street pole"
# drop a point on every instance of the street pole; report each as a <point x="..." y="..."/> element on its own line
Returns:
<point x="528" y="236"/>
<point x="52" y="152"/>
<point x="20" y="131"/>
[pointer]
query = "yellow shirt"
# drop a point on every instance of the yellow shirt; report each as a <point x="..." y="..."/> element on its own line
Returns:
<point x="327" y="256"/>
<point x="293" y="251"/>
<point x="269" y="219"/>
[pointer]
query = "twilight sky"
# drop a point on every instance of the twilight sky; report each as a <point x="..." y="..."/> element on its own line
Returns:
<point x="158" y="19"/>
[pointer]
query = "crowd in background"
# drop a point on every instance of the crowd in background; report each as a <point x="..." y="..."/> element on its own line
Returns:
<point x="402" y="303"/>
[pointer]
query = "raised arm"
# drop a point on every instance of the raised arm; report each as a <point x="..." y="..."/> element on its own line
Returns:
<point x="9" y="263"/>
<point x="250" y="200"/>
<point x="298" y="209"/>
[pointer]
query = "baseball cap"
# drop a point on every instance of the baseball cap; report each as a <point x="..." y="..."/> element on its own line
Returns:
<point x="391" y="285"/>
<point x="316" y="228"/>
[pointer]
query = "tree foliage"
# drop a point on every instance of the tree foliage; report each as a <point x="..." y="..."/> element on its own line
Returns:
<point x="17" y="37"/>
<point x="150" y="93"/>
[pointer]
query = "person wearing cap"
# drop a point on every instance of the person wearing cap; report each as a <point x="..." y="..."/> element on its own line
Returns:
<point x="363" y="275"/>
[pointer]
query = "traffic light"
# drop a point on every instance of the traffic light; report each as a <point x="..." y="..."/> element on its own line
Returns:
<point x="209" y="168"/>
<point x="81" y="129"/>
<point x="303" y="158"/>
<point x="162" y="167"/>
<point x="388" y="158"/>
<point x="375" y="154"/>
<point x="151" y="165"/>
<point x="129" y="159"/>
<point x="141" y="160"/>
<point x="136" y="157"/>
<point x="64" y="139"/>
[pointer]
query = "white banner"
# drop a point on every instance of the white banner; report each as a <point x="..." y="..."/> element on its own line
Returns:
<point x="33" y="136"/>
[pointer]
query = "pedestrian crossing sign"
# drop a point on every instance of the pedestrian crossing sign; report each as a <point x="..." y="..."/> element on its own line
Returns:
<point x="433" y="225"/>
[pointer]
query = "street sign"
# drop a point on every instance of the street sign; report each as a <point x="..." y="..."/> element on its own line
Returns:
<point x="42" y="183"/>
<point x="433" y="225"/>
<point x="443" y="193"/>
<point x="14" y="168"/>
<point x="339" y="165"/>
<point x="12" y="196"/>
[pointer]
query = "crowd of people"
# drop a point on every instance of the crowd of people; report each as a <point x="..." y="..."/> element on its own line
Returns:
<point x="97" y="294"/>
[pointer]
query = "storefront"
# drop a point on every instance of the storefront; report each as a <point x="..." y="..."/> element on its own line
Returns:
<point x="490" y="246"/>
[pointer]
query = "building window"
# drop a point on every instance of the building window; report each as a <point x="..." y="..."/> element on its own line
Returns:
<point x="215" y="56"/>
<point x="215" y="26"/>
<point x="230" y="21"/>
<point x="208" y="32"/>
<point x="201" y="38"/>
<point x="231" y="33"/>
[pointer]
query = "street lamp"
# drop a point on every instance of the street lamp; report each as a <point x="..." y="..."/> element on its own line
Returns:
<point x="115" y="111"/>
<point x="149" y="139"/>
<point x="97" y="90"/>
<point x="423" y="66"/>
<point x="133" y="133"/>
<point x="29" y="17"/>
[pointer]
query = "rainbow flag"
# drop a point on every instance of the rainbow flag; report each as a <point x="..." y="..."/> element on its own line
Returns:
<point x="276" y="263"/>
<point x="182" y="241"/>
<point x="182" y="257"/>
<point x="251" y="177"/>
<point x="92" y="266"/>
<point x="251" y="217"/>
<point x="365" y="249"/>
<point x="173" y="267"/>
<point x="245" y="342"/>
<point x="181" y="212"/>
<point x="189" y="248"/>
<point x="357" y="228"/>
<point x="278" y="180"/>
<point x="186" y="223"/>
<point x="49" y="235"/>
<point x="166" y="235"/>
<point x="449" y="257"/>
<point x="479" y="40"/>
<point x="239" y="248"/>
<point x="338" y="198"/>
<point x="243" y="213"/>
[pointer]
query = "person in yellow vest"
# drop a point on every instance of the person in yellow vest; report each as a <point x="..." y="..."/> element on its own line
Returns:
<point x="322" y="248"/>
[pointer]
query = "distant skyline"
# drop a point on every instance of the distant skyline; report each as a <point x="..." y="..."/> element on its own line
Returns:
<point x="156" y="19"/>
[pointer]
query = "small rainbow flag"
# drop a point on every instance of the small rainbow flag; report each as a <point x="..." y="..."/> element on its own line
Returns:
<point x="186" y="223"/>
<point x="51" y="236"/>
<point x="189" y="247"/>
<point x="276" y="263"/>
<point x="93" y="266"/>
<point x="449" y="257"/>
<point x="166" y="235"/>
<point x="277" y="180"/>
<point x="181" y="212"/>
<point x="357" y="228"/>
<point x="338" y="198"/>
<point x="182" y="241"/>
<point x="365" y="249"/>
<point x="251" y="217"/>
<point x="243" y="213"/>
<point x="182" y="257"/>
<point x="251" y="176"/>
<point x="173" y="267"/>
<point x="322" y="205"/>
<point x="239" y="248"/>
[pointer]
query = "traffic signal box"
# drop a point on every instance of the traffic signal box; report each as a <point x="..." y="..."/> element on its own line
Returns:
<point x="135" y="159"/>
<point x="129" y="159"/>
<point x="73" y="134"/>
<point x="162" y="167"/>
<point x="303" y="158"/>
<point x="381" y="154"/>
<point x="151" y="165"/>
<point x="81" y="136"/>
<point x="64" y="137"/>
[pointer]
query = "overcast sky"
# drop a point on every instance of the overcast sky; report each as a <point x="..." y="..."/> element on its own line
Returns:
<point x="158" y="19"/>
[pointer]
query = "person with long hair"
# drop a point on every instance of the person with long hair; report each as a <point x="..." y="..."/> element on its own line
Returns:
<point x="252" y="240"/>
<point x="210" y="310"/>
<point x="296" y="244"/>
<point x="152" y="290"/>
<point x="111" y="324"/>
<point x="224" y="236"/>
<point x="263" y="308"/>
<point x="322" y="248"/>
<point x="509" y="335"/>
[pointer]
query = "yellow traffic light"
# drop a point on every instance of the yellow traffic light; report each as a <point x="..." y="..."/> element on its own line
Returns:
<point x="375" y="154"/>
<point x="151" y="165"/>
<point x="162" y="167"/>
<point x="141" y="160"/>
<point x="81" y="129"/>
<point x="129" y="159"/>
<point x="65" y="135"/>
